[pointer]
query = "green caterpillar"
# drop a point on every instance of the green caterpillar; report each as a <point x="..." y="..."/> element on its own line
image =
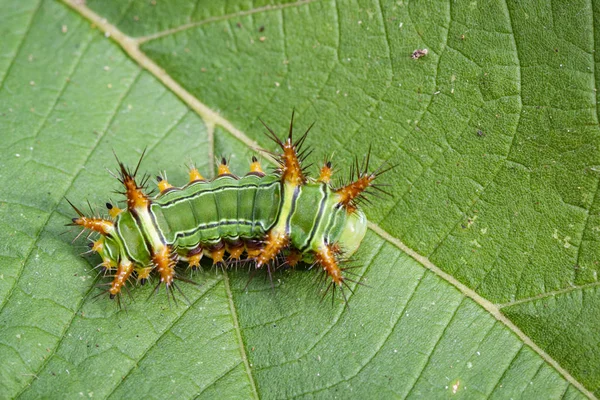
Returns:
<point x="263" y="216"/>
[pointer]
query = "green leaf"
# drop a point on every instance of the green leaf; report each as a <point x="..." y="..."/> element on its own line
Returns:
<point x="481" y="267"/>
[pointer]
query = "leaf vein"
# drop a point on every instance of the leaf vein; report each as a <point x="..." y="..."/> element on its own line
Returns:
<point x="485" y="304"/>
<point x="507" y="369"/>
<point x="82" y="301"/>
<point x="242" y="346"/>
<point x="426" y="109"/>
<point x="38" y="130"/>
<point x="330" y="326"/>
<point x="379" y="346"/>
<point x="167" y="330"/>
<point x="217" y="379"/>
<point x="184" y="27"/>
<point x="20" y="46"/>
<point x="435" y="347"/>
<point x="549" y="294"/>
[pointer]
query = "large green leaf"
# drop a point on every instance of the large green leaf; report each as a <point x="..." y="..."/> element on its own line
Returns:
<point x="481" y="268"/>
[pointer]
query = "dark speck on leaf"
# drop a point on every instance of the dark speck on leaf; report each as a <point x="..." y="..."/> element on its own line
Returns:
<point x="419" y="53"/>
<point x="261" y="28"/>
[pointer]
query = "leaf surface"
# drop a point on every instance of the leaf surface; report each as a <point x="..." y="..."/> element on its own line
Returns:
<point x="481" y="268"/>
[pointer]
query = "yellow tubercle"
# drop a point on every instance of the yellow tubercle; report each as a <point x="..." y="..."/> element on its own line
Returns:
<point x="143" y="273"/>
<point x="163" y="184"/>
<point x="195" y="175"/>
<point x="224" y="169"/>
<point x="114" y="211"/>
<point x="108" y="264"/>
<point x="98" y="245"/>
<point x="255" y="166"/>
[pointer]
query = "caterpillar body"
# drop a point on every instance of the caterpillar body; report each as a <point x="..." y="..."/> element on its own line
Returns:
<point x="274" y="219"/>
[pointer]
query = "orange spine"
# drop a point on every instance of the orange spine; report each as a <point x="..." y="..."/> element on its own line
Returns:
<point x="124" y="271"/>
<point x="326" y="258"/>
<point x="165" y="265"/>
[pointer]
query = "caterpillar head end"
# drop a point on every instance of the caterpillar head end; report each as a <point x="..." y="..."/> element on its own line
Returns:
<point x="353" y="232"/>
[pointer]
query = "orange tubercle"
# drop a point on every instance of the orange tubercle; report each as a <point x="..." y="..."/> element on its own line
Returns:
<point x="274" y="243"/>
<point x="135" y="197"/>
<point x="235" y="251"/>
<point x="253" y="253"/>
<point x="351" y="191"/>
<point x="253" y="248"/>
<point x="293" y="258"/>
<point x="164" y="264"/>
<point x="102" y="226"/>
<point x="289" y="161"/>
<point x="326" y="173"/>
<point x="124" y="271"/>
<point x="292" y="171"/>
<point x="217" y="255"/>
<point x="194" y="261"/>
<point x="325" y="257"/>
